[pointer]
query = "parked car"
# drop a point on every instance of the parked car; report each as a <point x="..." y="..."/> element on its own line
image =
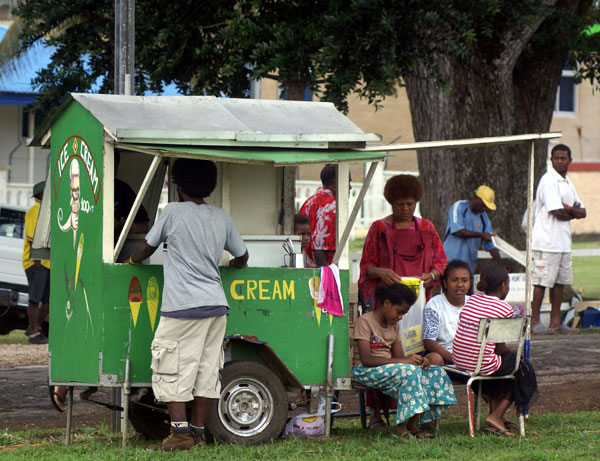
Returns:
<point x="13" y="282"/>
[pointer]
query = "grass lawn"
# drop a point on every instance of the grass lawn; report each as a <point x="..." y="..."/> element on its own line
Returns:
<point x="580" y="245"/>
<point x="356" y="245"/>
<point x="14" y="337"/>
<point x="585" y="270"/>
<point x="549" y="437"/>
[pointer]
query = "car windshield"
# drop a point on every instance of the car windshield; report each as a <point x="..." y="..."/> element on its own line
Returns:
<point x="12" y="223"/>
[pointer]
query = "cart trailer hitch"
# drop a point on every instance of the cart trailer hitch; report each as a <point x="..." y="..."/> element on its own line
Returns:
<point x="85" y="395"/>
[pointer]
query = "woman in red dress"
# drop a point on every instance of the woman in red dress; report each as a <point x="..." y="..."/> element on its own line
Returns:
<point x="400" y="245"/>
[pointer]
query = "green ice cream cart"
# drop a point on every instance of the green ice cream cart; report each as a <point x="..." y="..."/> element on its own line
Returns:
<point x="279" y="346"/>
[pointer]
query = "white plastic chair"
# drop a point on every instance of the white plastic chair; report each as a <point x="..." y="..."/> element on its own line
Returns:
<point x="493" y="331"/>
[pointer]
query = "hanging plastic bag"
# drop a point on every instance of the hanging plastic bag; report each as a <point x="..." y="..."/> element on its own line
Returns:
<point x="310" y="424"/>
<point x="411" y="325"/>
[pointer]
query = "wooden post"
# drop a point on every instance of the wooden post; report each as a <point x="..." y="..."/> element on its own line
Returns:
<point x="341" y="214"/>
<point x="528" y="249"/>
<point x="289" y="199"/>
<point x="343" y="239"/>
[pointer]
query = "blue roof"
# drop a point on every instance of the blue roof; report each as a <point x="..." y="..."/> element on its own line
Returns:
<point x="18" y="82"/>
<point x="16" y="87"/>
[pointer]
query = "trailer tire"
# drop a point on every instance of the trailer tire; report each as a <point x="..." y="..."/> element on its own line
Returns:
<point x="253" y="405"/>
<point x="152" y="423"/>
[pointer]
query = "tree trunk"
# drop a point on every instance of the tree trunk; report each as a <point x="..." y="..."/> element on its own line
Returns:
<point x="491" y="96"/>
<point x="295" y="90"/>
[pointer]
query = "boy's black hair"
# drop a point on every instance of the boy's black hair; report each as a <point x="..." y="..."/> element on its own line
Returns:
<point x="492" y="276"/>
<point x="300" y="219"/>
<point x="197" y="178"/>
<point x="329" y="175"/>
<point x="454" y="264"/>
<point x="397" y="293"/>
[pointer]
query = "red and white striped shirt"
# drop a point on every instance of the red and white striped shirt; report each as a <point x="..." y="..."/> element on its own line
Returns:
<point x="465" y="348"/>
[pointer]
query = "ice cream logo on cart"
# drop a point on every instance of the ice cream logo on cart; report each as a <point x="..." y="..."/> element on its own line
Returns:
<point x="74" y="153"/>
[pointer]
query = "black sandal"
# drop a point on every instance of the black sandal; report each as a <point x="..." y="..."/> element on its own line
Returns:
<point x="378" y="424"/>
<point x="55" y="399"/>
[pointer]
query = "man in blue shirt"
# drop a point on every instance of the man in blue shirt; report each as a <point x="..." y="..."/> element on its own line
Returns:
<point x="468" y="226"/>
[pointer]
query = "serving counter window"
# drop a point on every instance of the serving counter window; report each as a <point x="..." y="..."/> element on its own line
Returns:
<point x="135" y="174"/>
<point x="250" y="193"/>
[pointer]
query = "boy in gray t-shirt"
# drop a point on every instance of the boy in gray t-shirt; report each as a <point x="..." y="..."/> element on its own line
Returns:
<point x="186" y="350"/>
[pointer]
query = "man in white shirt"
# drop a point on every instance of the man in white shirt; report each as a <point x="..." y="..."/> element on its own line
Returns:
<point x="556" y="204"/>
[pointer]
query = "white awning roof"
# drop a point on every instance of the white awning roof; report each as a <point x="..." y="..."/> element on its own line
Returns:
<point x="212" y="121"/>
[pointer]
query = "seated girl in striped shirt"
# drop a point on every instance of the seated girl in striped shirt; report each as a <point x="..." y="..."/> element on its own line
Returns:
<point x="423" y="392"/>
<point x="498" y="360"/>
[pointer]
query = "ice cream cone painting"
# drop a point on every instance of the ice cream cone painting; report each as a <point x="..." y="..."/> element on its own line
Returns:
<point x="152" y="295"/>
<point x="135" y="298"/>
<point x="79" y="254"/>
<point x="313" y="285"/>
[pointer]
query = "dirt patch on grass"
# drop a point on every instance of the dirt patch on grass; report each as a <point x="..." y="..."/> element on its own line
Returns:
<point x="12" y="355"/>
<point x="566" y="366"/>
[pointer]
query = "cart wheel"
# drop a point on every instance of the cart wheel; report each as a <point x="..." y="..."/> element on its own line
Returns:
<point x="149" y="418"/>
<point x="252" y="408"/>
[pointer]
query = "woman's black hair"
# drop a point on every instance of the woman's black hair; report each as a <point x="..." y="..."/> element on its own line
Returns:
<point x="403" y="186"/>
<point x="397" y="293"/>
<point x="491" y="278"/>
<point x="454" y="264"/>
<point x="197" y="178"/>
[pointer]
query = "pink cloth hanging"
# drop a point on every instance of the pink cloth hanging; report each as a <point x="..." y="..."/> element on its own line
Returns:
<point x="330" y="296"/>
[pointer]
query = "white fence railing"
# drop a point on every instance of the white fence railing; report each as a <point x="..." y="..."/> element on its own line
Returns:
<point x="19" y="194"/>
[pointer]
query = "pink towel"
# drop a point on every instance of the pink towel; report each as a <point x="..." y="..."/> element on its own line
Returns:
<point x="330" y="296"/>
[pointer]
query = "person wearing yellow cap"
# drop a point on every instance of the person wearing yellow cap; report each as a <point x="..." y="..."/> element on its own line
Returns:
<point x="468" y="226"/>
<point x="37" y="272"/>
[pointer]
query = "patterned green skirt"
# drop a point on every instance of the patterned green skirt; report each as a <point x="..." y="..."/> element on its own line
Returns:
<point x="417" y="391"/>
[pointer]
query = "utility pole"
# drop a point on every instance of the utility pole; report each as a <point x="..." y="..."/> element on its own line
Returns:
<point x="124" y="46"/>
<point x="124" y="84"/>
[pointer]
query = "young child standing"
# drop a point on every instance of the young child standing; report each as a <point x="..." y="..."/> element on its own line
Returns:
<point x="423" y="392"/>
<point x="498" y="360"/>
<point x="188" y="342"/>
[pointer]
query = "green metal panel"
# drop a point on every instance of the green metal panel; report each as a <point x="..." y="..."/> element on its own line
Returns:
<point x="264" y="155"/>
<point x="131" y="314"/>
<point x="76" y="284"/>
<point x="275" y="305"/>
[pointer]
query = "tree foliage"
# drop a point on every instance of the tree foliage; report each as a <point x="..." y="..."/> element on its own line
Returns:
<point x="339" y="47"/>
<point x="471" y="67"/>
<point x="216" y="47"/>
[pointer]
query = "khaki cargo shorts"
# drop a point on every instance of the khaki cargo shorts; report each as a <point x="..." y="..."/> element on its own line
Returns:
<point x="187" y="356"/>
<point x="550" y="269"/>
